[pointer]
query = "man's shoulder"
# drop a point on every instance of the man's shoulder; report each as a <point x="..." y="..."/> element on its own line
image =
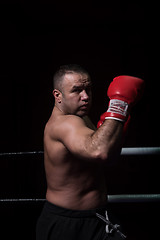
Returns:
<point x="60" y="124"/>
<point x="61" y="120"/>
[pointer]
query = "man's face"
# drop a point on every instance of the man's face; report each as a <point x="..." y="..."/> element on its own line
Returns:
<point x="76" y="94"/>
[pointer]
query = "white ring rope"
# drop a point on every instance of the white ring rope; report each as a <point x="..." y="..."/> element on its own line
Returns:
<point x="121" y="198"/>
<point x="130" y="198"/>
<point x="141" y="151"/>
<point x="21" y="153"/>
<point x="124" y="152"/>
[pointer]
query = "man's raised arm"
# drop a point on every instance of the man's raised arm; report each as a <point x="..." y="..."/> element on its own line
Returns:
<point x="124" y="92"/>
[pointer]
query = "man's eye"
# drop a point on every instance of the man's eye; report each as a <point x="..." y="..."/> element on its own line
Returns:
<point x="78" y="90"/>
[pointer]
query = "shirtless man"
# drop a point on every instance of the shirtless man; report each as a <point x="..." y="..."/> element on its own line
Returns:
<point x="75" y="155"/>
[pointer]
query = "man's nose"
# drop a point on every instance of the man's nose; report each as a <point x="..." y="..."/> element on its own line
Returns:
<point x="84" y="96"/>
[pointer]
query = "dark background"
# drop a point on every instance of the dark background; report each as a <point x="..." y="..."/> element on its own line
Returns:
<point x="108" y="39"/>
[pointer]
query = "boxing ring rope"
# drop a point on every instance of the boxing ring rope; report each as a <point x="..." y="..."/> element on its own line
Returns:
<point x="125" y="151"/>
<point x="140" y="151"/>
<point x="120" y="198"/>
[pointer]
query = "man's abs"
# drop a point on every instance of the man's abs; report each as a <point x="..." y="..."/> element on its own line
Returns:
<point x="71" y="200"/>
<point x="75" y="184"/>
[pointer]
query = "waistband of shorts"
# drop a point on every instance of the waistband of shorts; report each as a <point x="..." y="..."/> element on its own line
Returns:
<point x="60" y="211"/>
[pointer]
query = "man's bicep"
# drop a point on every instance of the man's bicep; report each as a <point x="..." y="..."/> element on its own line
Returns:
<point x="76" y="136"/>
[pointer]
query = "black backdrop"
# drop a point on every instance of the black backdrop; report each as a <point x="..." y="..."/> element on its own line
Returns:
<point x="108" y="39"/>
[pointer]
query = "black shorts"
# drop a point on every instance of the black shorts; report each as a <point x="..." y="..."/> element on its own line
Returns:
<point x="57" y="223"/>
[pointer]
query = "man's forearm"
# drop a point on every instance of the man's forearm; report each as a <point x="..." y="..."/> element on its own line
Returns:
<point x="107" y="138"/>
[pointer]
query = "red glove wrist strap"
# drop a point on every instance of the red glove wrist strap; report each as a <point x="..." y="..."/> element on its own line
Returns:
<point x="117" y="109"/>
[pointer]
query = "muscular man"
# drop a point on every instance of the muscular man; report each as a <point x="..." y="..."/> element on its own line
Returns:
<point x="75" y="155"/>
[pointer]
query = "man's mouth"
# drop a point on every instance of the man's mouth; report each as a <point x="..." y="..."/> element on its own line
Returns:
<point x="85" y="106"/>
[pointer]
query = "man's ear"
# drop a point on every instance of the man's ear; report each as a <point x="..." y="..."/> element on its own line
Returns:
<point x="58" y="95"/>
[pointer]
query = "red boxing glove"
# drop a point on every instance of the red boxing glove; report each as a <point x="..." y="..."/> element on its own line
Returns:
<point x="102" y="119"/>
<point x="99" y="123"/>
<point x="124" y="92"/>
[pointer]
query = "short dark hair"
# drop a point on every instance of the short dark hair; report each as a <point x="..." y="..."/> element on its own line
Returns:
<point x="64" y="69"/>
